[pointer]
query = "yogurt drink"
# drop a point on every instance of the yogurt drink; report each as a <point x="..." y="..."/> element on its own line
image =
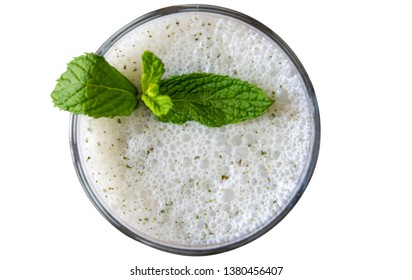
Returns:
<point x="189" y="188"/>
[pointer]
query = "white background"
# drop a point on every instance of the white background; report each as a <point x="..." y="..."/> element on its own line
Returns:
<point x="354" y="220"/>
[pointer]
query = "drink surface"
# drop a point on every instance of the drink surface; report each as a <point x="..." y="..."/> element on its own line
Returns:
<point x="190" y="185"/>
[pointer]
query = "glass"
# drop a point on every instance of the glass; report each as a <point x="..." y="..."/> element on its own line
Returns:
<point x="305" y="176"/>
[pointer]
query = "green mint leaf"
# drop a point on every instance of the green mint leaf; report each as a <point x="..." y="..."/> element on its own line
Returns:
<point x="212" y="100"/>
<point x="159" y="105"/>
<point x="91" y="86"/>
<point x="153" y="70"/>
<point x="152" y="90"/>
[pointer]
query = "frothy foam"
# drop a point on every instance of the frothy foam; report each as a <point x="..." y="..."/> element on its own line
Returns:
<point x="190" y="185"/>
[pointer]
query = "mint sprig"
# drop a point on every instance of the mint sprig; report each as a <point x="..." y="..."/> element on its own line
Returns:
<point x="91" y="86"/>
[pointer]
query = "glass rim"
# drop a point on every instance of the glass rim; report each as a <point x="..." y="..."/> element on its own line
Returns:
<point x="312" y="156"/>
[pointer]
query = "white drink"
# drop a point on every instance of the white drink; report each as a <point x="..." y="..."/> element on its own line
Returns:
<point x="190" y="186"/>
